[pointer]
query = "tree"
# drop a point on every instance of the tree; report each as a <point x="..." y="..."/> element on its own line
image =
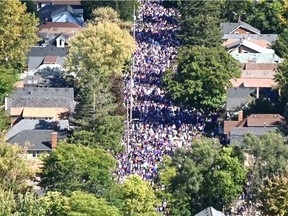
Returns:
<point x="281" y="44"/>
<point x="18" y="33"/>
<point x="4" y="122"/>
<point x="30" y="5"/>
<point x="78" y="203"/>
<point x="14" y="169"/>
<point x="123" y="8"/>
<point x="135" y="197"/>
<point x="266" y="156"/>
<point x="202" y="77"/>
<point x="75" y="167"/>
<point x="281" y="77"/>
<point x="8" y="76"/>
<point x="206" y="175"/>
<point x="273" y="196"/>
<point x="200" y="23"/>
<point x="20" y="204"/>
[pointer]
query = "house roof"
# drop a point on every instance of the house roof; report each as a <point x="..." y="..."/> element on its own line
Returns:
<point x="39" y="112"/>
<point x="260" y="42"/>
<point x="249" y="44"/>
<point x="45" y="12"/>
<point x="44" y="92"/>
<point x="253" y="82"/>
<point x="258" y="74"/>
<point x="271" y="38"/>
<point x="267" y="120"/>
<point x="36" y="139"/>
<point x="16" y="111"/>
<point x="62" y="25"/>
<point x="237" y="97"/>
<point x="60" y="2"/>
<point x="29" y="124"/>
<point x="259" y="66"/>
<point x="228" y="28"/>
<point x="228" y="125"/>
<point x="257" y="57"/>
<point x="210" y="211"/>
<point x="50" y="60"/>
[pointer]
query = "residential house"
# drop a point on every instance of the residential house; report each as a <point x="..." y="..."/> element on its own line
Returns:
<point x="43" y="3"/>
<point x="237" y="98"/>
<point x="61" y="13"/>
<point x="52" y="29"/>
<point x="40" y="103"/>
<point x="210" y="211"/>
<point x="271" y="38"/>
<point x="257" y="124"/>
<point x="38" y="136"/>
<point x="238" y="28"/>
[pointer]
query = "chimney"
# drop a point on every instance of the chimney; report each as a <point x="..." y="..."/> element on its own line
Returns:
<point x="54" y="137"/>
<point x="240" y="115"/>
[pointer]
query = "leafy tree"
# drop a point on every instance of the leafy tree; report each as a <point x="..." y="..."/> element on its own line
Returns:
<point x="206" y="175"/>
<point x="20" y="204"/>
<point x="123" y="8"/>
<point x="136" y="197"/>
<point x="202" y="77"/>
<point x="30" y="5"/>
<point x="281" y="44"/>
<point x="78" y="203"/>
<point x="200" y="23"/>
<point x="281" y="77"/>
<point x="8" y="76"/>
<point x="14" y="169"/>
<point x="17" y="34"/>
<point x="75" y="167"/>
<point x="233" y="11"/>
<point x="266" y="156"/>
<point x="273" y="196"/>
<point x="4" y="123"/>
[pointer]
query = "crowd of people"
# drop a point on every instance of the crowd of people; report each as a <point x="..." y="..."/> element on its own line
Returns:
<point x="158" y="126"/>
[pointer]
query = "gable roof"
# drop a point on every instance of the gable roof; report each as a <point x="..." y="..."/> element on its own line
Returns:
<point x="50" y="112"/>
<point x="249" y="44"/>
<point x="237" y="97"/>
<point x="228" y="28"/>
<point x="267" y="120"/>
<point x="44" y="92"/>
<point x="29" y="124"/>
<point x="259" y="66"/>
<point x="252" y="82"/>
<point x="259" y="42"/>
<point x="210" y="211"/>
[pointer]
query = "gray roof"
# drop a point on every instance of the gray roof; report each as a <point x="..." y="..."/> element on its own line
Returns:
<point x="237" y="97"/>
<point x="238" y="133"/>
<point x="44" y="92"/>
<point x="29" y="124"/>
<point x="42" y="97"/>
<point x="210" y="211"/>
<point x="48" y="10"/>
<point x="35" y="139"/>
<point x="257" y="57"/>
<point x="227" y="28"/>
<point x="35" y="61"/>
<point x="271" y="38"/>
<point x="49" y="50"/>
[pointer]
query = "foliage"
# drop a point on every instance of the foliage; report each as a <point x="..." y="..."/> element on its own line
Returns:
<point x="8" y="76"/>
<point x="14" y="169"/>
<point x="273" y="196"/>
<point x="17" y="34"/>
<point x="281" y="77"/>
<point x="281" y="44"/>
<point x="4" y="122"/>
<point x="200" y="23"/>
<point x="206" y="175"/>
<point x="75" y="167"/>
<point x="123" y="8"/>
<point x="202" y="77"/>
<point x="266" y="156"/>
<point x="20" y="205"/>
<point x="30" y="5"/>
<point x="78" y="203"/>
<point x="136" y="197"/>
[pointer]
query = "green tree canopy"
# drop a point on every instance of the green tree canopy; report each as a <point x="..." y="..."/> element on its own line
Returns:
<point x="8" y="76"/>
<point x="17" y="33"/>
<point x="266" y="156"/>
<point x="14" y="169"/>
<point x="200" y="23"/>
<point x="75" y="167"/>
<point x="281" y="77"/>
<point x="273" y="196"/>
<point x="206" y="175"/>
<point x="202" y="77"/>
<point x="136" y="197"/>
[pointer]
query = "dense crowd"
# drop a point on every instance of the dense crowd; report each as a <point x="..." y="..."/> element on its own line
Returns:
<point x="159" y="127"/>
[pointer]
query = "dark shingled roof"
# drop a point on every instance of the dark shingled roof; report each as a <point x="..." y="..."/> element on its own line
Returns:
<point x="227" y="28"/>
<point x="237" y="97"/>
<point x="44" y="92"/>
<point x="210" y="211"/>
<point x="36" y="139"/>
<point x="271" y="38"/>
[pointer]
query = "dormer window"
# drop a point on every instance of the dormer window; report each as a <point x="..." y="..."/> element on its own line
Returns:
<point x="60" y="42"/>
